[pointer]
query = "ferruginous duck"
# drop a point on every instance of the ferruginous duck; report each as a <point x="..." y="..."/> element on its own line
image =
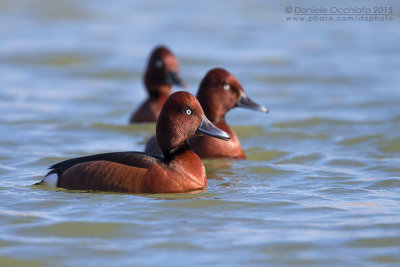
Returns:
<point x="177" y="170"/>
<point x="161" y="75"/>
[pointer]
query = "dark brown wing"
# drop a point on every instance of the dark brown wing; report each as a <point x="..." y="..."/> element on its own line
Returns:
<point x="133" y="159"/>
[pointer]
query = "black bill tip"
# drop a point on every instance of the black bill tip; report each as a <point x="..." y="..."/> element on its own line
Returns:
<point x="246" y="102"/>
<point x="174" y="78"/>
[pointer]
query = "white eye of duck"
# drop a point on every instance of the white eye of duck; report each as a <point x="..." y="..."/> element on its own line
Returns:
<point x="188" y="111"/>
<point x="158" y="63"/>
<point x="226" y="87"/>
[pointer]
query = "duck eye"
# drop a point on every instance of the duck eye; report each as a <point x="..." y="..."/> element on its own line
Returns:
<point x="188" y="111"/>
<point x="226" y="87"/>
<point x="158" y="63"/>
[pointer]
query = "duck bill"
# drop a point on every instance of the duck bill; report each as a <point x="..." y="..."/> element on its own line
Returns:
<point x="174" y="78"/>
<point x="245" y="102"/>
<point x="207" y="128"/>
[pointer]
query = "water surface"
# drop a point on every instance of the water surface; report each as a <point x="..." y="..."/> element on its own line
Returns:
<point x="321" y="185"/>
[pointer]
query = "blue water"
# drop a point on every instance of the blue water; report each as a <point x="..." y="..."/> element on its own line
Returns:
<point x="321" y="183"/>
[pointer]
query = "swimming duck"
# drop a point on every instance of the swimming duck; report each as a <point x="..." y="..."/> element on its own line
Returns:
<point x="177" y="170"/>
<point x="161" y="74"/>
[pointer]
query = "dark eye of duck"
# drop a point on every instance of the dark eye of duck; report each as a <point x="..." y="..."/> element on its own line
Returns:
<point x="188" y="111"/>
<point x="158" y="64"/>
<point x="226" y="87"/>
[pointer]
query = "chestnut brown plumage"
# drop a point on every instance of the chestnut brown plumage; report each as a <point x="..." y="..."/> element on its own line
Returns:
<point x="178" y="170"/>
<point x="219" y="92"/>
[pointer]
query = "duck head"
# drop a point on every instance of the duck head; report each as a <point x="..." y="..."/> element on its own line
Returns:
<point x="220" y="92"/>
<point x="181" y="118"/>
<point x="162" y="72"/>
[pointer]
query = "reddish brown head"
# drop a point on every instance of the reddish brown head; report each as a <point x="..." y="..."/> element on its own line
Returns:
<point x="180" y="119"/>
<point x="162" y="72"/>
<point x="220" y="91"/>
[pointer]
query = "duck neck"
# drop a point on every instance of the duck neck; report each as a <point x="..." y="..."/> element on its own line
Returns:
<point x="173" y="153"/>
<point x="215" y="115"/>
<point x="218" y="120"/>
<point x="160" y="91"/>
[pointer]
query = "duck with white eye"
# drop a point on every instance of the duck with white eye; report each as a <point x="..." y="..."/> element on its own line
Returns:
<point x="218" y="93"/>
